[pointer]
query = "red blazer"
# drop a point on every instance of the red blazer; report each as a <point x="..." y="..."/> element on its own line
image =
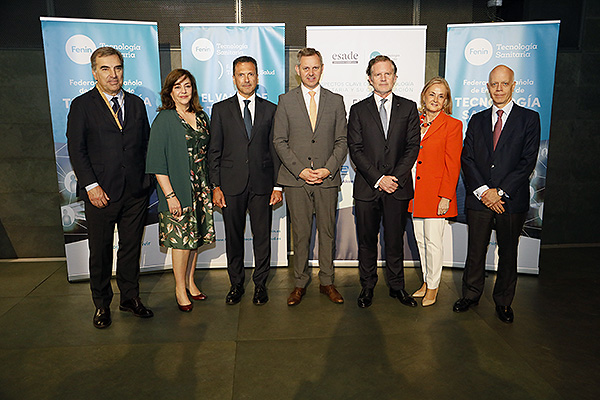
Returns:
<point x="438" y="168"/>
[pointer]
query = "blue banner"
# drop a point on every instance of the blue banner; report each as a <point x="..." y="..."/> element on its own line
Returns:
<point x="68" y="45"/>
<point x="208" y="51"/>
<point x="529" y="49"/>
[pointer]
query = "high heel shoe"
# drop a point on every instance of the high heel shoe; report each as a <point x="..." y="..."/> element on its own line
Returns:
<point x="186" y="307"/>
<point x="200" y="296"/>
<point x="430" y="297"/>
<point x="421" y="291"/>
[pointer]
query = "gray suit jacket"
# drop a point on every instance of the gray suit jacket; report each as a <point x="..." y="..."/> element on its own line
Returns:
<point x="299" y="147"/>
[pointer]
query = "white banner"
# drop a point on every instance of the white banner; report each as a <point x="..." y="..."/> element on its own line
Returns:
<point x="346" y="52"/>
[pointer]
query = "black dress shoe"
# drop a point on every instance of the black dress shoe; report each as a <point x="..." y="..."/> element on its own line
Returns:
<point x="463" y="304"/>
<point x="403" y="296"/>
<point x="260" y="295"/>
<point x="365" y="298"/>
<point x="136" y="307"/>
<point x="235" y="294"/>
<point x="102" y="318"/>
<point x="505" y="313"/>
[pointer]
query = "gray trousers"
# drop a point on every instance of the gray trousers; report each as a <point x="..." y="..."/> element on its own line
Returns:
<point x="302" y="203"/>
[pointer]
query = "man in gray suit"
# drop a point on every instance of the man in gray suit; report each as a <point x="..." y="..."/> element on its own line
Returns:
<point x="310" y="139"/>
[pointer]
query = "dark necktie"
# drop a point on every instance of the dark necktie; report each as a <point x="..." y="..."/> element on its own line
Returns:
<point x="383" y="116"/>
<point x="117" y="109"/>
<point x="247" y="118"/>
<point x="497" y="128"/>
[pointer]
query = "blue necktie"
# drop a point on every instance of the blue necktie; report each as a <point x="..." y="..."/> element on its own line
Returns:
<point x="117" y="109"/>
<point x="247" y="118"/>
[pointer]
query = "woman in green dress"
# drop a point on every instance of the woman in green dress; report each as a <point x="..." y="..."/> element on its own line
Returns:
<point x="177" y="157"/>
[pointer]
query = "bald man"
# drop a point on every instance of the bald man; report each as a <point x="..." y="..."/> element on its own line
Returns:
<point x="499" y="154"/>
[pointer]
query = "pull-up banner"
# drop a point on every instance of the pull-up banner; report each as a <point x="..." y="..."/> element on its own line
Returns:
<point x="529" y="49"/>
<point x="68" y="45"/>
<point x="346" y="52"/>
<point x="208" y="51"/>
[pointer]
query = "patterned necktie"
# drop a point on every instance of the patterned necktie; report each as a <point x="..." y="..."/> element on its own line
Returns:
<point x="497" y="128"/>
<point x="247" y="118"/>
<point x="312" y="109"/>
<point x="117" y="109"/>
<point x="383" y="116"/>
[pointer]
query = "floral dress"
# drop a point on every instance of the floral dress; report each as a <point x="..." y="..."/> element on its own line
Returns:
<point x="195" y="226"/>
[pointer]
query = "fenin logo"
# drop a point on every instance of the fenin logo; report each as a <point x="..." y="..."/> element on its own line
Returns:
<point x="79" y="48"/>
<point x="203" y="49"/>
<point x="478" y="51"/>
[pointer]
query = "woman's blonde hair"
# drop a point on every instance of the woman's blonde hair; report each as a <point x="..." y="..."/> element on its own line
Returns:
<point x="438" y="80"/>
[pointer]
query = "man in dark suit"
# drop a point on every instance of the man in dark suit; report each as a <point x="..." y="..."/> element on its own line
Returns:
<point x="242" y="165"/>
<point x="107" y="137"/>
<point x="499" y="154"/>
<point x="310" y="138"/>
<point x="383" y="138"/>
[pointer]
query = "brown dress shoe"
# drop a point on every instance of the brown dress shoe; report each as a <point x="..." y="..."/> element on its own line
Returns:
<point x="296" y="296"/>
<point x="332" y="292"/>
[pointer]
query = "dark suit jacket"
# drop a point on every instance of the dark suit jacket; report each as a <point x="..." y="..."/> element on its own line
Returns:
<point x="299" y="147"/>
<point x="100" y="152"/>
<point x="374" y="155"/>
<point x="508" y="167"/>
<point x="234" y="160"/>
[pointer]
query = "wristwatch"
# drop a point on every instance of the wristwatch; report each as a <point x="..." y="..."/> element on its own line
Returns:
<point x="500" y="192"/>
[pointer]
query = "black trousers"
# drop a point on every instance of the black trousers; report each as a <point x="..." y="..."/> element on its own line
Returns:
<point x="508" y="230"/>
<point x="129" y="215"/>
<point x="369" y="215"/>
<point x="261" y="216"/>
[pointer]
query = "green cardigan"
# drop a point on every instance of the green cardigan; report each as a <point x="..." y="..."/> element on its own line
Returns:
<point x="168" y="155"/>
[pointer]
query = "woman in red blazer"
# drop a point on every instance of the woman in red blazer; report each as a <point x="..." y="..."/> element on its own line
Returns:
<point x="436" y="174"/>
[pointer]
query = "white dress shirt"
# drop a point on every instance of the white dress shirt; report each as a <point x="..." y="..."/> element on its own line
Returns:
<point x="306" y="96"/>
<point x="507" y="109"/>
<point x="251" y="105"/>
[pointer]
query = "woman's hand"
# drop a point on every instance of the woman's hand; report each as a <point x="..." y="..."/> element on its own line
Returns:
<point x="174" y="206"/>
<point x="443" y="206"/>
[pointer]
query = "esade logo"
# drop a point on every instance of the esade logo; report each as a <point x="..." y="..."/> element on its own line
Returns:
<point x="349" y="57"/>
<point x="79" y="48"/>
<point x="478" y="51"/>
<point x="203" y="49"/>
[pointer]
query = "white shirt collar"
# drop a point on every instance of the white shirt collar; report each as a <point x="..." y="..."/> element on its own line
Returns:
<point x="305" y="90"/>
<point x="379" y="97"/>
<point x="507" y="108"/>
<point x="242" y="98"/>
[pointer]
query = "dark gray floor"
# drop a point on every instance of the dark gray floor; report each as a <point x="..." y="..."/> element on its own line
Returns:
<point x="317" y="350"/>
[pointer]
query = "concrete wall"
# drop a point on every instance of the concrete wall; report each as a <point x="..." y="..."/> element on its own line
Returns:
<point x="30" y="223"/>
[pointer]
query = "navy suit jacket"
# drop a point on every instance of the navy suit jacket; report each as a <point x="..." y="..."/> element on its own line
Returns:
<point x="101" y="152"/>
<point x="509" y="167"/>
<point x="375" y="155"/>
<point x="233" y="158"/>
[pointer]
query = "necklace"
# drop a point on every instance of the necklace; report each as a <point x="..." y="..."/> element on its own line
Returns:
<point x="423" y="119"/>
